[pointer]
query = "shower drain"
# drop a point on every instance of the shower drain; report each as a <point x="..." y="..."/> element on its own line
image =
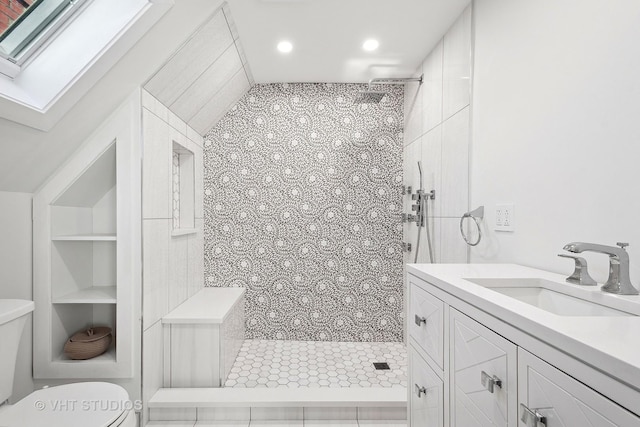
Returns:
<point x="381" y="366"/>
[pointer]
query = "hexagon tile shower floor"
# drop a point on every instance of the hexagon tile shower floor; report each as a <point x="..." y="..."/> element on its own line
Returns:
<point x="270" y="363"/>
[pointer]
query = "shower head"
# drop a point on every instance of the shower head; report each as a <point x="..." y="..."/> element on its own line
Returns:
<point x="369" y="97"/>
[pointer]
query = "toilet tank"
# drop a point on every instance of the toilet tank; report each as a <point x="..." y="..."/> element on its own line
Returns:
<point x="13" y="316"/>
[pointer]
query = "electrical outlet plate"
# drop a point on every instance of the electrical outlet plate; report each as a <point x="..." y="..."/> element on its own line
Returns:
<point x="505" y="218"/>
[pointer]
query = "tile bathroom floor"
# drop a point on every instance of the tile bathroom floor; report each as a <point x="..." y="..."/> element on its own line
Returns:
<point x="272" y="363"/>
<point x="281" y="423"/>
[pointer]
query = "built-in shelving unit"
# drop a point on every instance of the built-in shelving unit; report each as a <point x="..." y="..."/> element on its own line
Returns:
<point x="87" y="256"/>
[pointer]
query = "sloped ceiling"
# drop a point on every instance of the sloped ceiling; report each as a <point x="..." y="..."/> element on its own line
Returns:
<point x="28" y="156"/>
<point x="206" y="76"/>
<point x="327" y="37"/>
<point x="209" y="71"/>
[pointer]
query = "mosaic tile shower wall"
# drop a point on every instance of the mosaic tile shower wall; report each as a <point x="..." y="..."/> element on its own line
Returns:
<point x="302" y="207"/>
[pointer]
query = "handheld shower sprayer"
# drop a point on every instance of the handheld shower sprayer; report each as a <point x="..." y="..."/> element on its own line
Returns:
<point x="423" y="215"/>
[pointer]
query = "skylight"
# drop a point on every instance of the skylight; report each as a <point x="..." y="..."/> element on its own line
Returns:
<point x="63" y="62"/>
<point x="26" y="24"/>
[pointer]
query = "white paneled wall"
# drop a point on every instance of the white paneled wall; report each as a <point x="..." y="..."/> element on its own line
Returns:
<point x="456" y="66"/>
<point x="206" y="76"/>
<point x="173" y="265"/>
<point x="437" y="127"/>
<point x="454" y="193"/>
<point x="152" y="364"/>
<point x="432" y="89"/>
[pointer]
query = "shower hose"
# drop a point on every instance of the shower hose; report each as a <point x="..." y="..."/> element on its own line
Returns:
<point x="425" y="220"/>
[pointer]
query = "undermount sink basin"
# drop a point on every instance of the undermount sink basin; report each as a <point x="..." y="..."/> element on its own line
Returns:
<point x="536" y="292"/>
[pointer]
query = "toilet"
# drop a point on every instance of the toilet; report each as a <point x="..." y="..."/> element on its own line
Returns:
<point x="90" y="404"/>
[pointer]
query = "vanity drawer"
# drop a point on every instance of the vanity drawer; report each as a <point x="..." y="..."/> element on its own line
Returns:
<point x="546" y="391"/>
<point x="426" y="323"/>
<point x="483" y="375"/>
<point x="426" y="401"/>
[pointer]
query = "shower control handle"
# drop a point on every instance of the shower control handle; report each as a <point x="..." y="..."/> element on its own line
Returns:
<point x="420" y="320"/>
<point x="420" y="390"/>
<point x="409" y="217"/>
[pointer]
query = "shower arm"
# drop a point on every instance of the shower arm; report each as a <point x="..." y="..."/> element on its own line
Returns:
<point x="395" y="81"/>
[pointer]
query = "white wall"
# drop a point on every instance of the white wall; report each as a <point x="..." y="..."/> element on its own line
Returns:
<point x="173" y="266"/>
<point x="206" y="76"/>
<point x="30" y="156"/>
<point x="15" y="275"/>
<point x="556" y="106"/>
<point x="437" y="133"/>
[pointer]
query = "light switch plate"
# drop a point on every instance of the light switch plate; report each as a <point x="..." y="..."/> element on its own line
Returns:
<point x="505" y="218"/>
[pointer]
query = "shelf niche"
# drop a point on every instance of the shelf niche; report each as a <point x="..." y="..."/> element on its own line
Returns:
<point x="68" y="319"/>
<point x="83" y="230"/>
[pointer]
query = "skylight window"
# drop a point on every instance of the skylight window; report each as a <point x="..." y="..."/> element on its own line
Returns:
<point x="26" y="24"/>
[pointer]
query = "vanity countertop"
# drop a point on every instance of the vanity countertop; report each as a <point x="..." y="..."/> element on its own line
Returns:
<point x="608" y="343"/>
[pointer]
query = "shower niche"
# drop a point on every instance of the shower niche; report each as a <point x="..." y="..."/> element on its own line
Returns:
<point x="86" y="237"/>
<point x="183" y="197"/>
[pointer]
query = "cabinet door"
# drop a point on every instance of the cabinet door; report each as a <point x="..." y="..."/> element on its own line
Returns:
<point x="483" y="375"/>
<point x="427" y="393"/>
<point x="426" y="323"/>
<point x="562" y="400"/>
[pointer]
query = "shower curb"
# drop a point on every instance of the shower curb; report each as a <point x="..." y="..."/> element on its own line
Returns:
<point x="386" y="397"/>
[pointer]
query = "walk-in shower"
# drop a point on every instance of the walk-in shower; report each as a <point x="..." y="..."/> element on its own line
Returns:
<point x="302" y="196"/>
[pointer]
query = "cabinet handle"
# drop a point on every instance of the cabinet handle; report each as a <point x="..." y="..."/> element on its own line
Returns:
<point x="420" y="320"/>
<point x="531" y="417"/>
<point x="489" y="382"/>
<point x="420" y="390"/>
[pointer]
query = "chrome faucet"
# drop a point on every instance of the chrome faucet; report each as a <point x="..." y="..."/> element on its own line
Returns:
<point x="619" y="281"/>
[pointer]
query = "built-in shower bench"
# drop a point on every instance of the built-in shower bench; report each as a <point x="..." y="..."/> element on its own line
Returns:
<point x="202" y="337"/>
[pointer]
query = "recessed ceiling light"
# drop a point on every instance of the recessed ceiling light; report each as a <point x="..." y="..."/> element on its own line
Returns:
<point x="285" y="46"/>
<point x="371" y="44"/>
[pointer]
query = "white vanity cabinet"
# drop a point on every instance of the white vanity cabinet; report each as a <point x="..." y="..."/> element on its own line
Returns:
<point x="494" y="374"/>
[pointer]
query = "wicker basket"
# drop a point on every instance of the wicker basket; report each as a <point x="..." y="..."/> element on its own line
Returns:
<point x="88" y="343"/>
